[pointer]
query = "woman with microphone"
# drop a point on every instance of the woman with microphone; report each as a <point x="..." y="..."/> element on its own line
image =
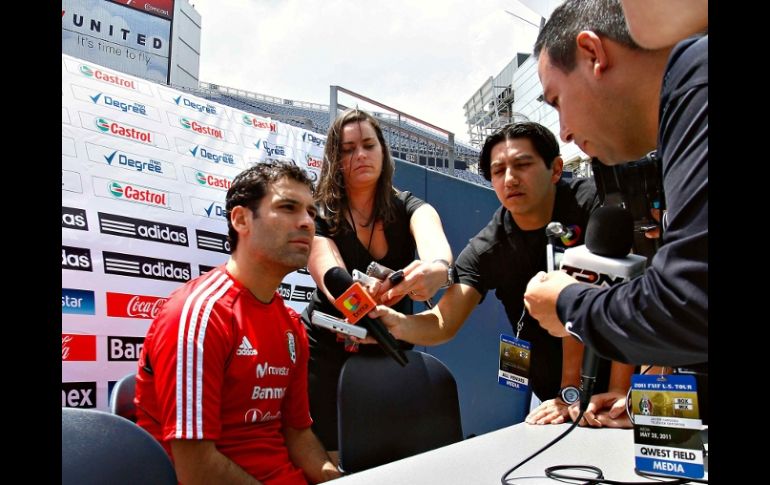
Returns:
<point x="362" y="218"/>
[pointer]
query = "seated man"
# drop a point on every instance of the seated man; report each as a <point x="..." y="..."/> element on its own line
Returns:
<point x="222" y="380"/>
<point x="522" y="161"/>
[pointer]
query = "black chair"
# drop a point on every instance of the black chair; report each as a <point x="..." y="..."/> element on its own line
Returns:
<point x="122" y="398"/>
<point x="387" y="412"/>
<point x="99" y="447"/>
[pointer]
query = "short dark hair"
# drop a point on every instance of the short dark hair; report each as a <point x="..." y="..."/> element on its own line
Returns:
<point x="541" y="137"/>
<point x="250" y="186"/>
<point x="603" y="17"/>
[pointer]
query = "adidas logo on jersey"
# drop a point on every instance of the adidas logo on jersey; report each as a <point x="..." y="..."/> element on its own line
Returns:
<point x="245" y="348"/>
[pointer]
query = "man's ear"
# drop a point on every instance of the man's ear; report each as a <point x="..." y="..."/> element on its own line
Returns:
<point x="239" y="218"/>
<point x="590" y="50"/>
<point x="556" y="169"/>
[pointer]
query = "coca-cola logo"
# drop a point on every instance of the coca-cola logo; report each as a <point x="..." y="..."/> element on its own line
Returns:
<point x="78" y="347"/>
<point x="144" y="308"/>
<point x="65" y="346"/>
<point x="133" y="306"/>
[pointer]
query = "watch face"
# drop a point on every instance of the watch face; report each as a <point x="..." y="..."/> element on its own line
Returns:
<point x="570" y="394"/>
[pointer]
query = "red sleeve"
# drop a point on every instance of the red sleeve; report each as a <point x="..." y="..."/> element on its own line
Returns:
<point x="295" y="408"/>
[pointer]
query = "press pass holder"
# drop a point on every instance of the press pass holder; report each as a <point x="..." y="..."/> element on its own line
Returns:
<point x="667" y="427"/>
<point x="515" y="357"/>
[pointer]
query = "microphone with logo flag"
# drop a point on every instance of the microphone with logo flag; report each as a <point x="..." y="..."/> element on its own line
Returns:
<point x="354" y="302"/>
<point x="604" y="260"/>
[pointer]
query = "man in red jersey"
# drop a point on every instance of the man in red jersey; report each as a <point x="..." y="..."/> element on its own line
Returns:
<point x="222" y="380"/>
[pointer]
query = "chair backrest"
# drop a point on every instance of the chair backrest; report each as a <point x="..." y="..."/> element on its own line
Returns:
<point x="387" y="412"/>
<point x="99" y="447"/>
<point x="122" y="399"/>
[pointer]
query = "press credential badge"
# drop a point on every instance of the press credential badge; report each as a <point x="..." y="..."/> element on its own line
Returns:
<point x="514" y="363"/>
<point x="667" y="426"/>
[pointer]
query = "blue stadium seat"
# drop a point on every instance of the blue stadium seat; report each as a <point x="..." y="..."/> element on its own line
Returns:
<point x="99" y="448"/>
<point x="122" y="398"/>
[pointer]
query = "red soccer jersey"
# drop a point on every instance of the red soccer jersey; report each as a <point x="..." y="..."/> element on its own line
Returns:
<point x="228" y="368"/>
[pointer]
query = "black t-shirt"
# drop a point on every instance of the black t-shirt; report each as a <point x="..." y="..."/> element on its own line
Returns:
<point x="401" y="252"/>
<point x="504" y="257"/>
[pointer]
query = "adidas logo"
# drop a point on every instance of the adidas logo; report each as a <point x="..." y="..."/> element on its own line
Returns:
<point x="245" y="348"/>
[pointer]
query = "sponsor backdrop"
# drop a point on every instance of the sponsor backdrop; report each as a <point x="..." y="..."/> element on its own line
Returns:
<point x="145" y="169"/>
<point x="118" y="36"/>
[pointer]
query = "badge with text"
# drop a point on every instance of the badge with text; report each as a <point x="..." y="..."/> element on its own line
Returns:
<point x="514" y="363"/>
<point x="667" y="427"/>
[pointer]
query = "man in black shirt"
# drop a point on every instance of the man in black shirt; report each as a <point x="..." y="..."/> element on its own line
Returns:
<point x="522" y="161"/>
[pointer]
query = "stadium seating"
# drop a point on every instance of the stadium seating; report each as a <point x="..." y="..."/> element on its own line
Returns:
<point x="404" y="139"/>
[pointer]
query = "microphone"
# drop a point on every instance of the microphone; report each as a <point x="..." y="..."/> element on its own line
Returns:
<point x="604" y="260"/>
<point x="354" y="302"/>
<point x="557" y="229"/>
<point x="554" y="230"/>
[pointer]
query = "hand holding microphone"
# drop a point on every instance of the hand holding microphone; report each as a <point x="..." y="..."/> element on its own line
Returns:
<point x="421" y="281"/>
<point x="385" y="279"/>
<point x="540" y="299"/>
<point x="354" y="302"/>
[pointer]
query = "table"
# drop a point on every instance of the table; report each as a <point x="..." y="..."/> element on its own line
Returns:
<point x="484" y="459"/>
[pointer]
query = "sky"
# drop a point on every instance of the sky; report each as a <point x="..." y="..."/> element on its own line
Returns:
<point x="423" y="57"/>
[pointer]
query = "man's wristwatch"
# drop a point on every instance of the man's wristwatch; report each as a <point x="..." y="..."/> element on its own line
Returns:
<point x="569" y="394"/>
<point x="450" y="273"/>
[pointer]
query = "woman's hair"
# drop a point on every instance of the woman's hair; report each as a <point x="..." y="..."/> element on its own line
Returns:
<point x="331" y="196"/>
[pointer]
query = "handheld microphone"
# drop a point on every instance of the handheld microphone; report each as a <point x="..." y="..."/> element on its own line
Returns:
<point x="557" y="229"/>
<point x="553" y="230"/>
<point x="602" y="261"/>
<point x="354" y="302"/>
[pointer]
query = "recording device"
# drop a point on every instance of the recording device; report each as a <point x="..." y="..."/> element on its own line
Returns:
<point x="335" y="324"/>
<point x="364" y="279"/>
<point x="354" y="302"/>
<point x="602" y="261"/>
<point x="376" y="270"/>
<point x="552" y="231"/>
<point x="557" y="229"/>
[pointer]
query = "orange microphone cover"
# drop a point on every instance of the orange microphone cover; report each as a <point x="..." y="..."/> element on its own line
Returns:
<point x="355" y="303"/>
